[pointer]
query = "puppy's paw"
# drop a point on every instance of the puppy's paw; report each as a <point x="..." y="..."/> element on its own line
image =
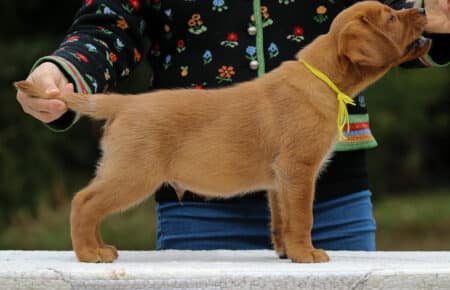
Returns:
<point x="310" y="255"/>
<point x="107" y="254"/>
<point x="111" y="249"/>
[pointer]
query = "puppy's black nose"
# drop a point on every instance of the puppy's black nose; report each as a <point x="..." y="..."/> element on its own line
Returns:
<point x="422" y="11"/>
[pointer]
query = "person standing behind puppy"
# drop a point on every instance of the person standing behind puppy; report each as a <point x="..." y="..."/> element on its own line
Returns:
<point x="208" y="44"/>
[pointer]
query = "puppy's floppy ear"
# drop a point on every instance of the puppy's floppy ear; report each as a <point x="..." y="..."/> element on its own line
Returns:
<point x="366" y="45"/>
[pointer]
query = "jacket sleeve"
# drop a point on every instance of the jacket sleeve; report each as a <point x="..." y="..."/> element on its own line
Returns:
<point x="103" y="45"/>
<point x="439" y="54"/>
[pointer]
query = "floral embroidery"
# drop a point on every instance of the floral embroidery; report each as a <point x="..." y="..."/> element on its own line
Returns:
<point x="168" y="31"/>
<point x="156" y="4"/>
<point x="362" y="101"/>
<point x="135" y="4"/>
<point x="88" y="2"/>
<point x="321" y="16"/>
<point x="155" y="50"/>
<point x="184" y="71"/>
<point x="167" y="61"/>
<point x="131" y="6"/>
<point x="286" y="2"/>
<point x="103" y="9"/>
<point x="266" y="21"/>
<point x="119" y="45"/>
<point x="168" y="13"/>
<point x="93" y="82"/>
<point x="232" y="40"/>
<point x="108" y="58"/>
<point x="137" y="55"/>
<point x="122" y="24"/>
<point x="196" y="24"/>
<point x="180" y="46"/>
<point x="250" y="53"/>
<point x="107" y="75"/>
<point x="106" y="31"/>
<point x="80" y="57"/>
<point x="225" y="74"/>
<point x="219" y="5"/>
<point x="273" y="50"/>
<point x="90" y="47"/>
<point x="199" y="86"/>
<point x="104" y="44"/>
<point x="207" y="56"/>
<point x="72" y="38"/>
<point x="297" y="34"/>
<point x="125" y="72"/>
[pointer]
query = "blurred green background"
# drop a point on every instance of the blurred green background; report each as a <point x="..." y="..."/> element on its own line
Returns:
<point x="40" y="170"/>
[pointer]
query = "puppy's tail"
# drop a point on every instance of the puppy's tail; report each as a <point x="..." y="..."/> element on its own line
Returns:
<point x="98" y="106"/>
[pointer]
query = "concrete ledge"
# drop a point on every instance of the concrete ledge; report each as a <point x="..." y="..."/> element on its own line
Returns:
<point x="225" y="270"/>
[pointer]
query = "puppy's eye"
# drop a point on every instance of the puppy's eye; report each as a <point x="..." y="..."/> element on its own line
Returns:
<point x="392" y="17"/>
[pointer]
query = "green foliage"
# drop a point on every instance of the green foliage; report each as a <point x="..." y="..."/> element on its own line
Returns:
<point x="410" y="116"/>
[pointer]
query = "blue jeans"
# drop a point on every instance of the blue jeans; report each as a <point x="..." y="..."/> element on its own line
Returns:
<point x="344" y="223"/>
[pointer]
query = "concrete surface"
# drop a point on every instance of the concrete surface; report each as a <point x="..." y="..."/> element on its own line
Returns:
<point x="225" y="270"/>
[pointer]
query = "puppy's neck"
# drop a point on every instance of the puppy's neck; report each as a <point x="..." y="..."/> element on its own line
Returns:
<point x="347" y="77"/>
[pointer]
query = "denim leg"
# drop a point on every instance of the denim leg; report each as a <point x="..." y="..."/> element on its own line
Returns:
<point x="344" y="223"/>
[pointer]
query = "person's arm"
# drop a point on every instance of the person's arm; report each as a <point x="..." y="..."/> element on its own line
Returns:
<point x="103" y="45"/>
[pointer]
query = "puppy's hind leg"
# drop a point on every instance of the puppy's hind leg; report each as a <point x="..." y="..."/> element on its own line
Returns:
<point x="111" y="191"/>
<point x="276" y="224"/>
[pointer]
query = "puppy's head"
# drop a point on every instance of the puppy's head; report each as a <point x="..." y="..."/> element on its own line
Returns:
<point x="373" y="35"/>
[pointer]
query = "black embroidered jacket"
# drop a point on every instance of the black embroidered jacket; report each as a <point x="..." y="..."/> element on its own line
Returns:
<point x="210" y="43"/>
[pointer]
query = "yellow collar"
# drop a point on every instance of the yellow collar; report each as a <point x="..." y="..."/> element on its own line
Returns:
<point x="343" y="99"/>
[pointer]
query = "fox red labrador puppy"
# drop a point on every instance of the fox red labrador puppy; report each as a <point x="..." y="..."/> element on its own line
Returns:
<point x="273" y="133"/>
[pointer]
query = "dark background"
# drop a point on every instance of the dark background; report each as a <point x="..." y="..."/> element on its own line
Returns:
<point x="40" y="170"/>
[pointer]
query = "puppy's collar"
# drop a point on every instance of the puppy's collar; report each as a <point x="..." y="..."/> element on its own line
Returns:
<point x="342" y="119"/>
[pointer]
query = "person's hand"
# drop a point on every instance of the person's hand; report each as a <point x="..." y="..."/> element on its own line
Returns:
<point x="48" y="76"/>
<point x="438" y="16"/>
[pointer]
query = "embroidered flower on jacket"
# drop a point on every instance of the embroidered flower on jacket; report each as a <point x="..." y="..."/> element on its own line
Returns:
<point x="72" y="38"/>
<point x="155" y="49"/>
<point x="232" y="40"/>
<point x="107" y="75"/>
<point x="119" y="45"/>
<point x="286" y="2"/>
<point x="226" y="74"/>
<point x="266" y="21"/>
<point x="167" y="61"/>
<point x="250" y="53"/>
<point x="273" y="50"/>
<point x="94" y="84"/>
<point x="131" y="6"/>
<point x="168" y="13"/>
<point x="321" y="16"/>
<point x="297" y="34"/>
<point x="125" y="72"/>
<point x="199" y="86"/>
<point x="88" y="2"/>
<point x="103" y="9"/>
<point x="137" y="55"/>
<point x="207" y="56"/>
<point x="156" y="4"/>
<point x="219" y="5"/>
<point x="135" y="4"/>
<point x="122" y="24"/>
<point x="90" y="47"/>
<point x="196" y="24"/>
<point x="104" y="44"/>
<point x="184" y="71"/>
<point x="181" y="46"/>
<point x="81" y="57"/>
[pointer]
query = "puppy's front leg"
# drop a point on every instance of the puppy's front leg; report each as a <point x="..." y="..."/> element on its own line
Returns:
<point x="296" y="181"/>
